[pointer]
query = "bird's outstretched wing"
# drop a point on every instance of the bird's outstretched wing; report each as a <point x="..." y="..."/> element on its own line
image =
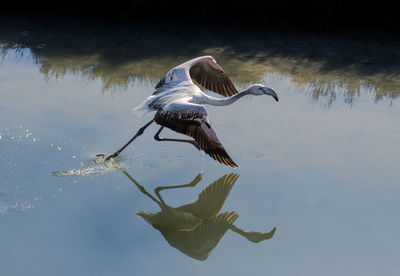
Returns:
<point x="205" y="71"/>
<point x="192" y="120"/>
<point x="212" y="77"/>
<point x="212" y="198"/>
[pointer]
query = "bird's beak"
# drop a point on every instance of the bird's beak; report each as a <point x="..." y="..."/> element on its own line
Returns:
<point x="272" y="93"/>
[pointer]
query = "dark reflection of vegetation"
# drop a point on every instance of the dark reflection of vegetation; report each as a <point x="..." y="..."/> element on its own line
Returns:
<point x="120" y="55"/>
<point x="196" y="228"/>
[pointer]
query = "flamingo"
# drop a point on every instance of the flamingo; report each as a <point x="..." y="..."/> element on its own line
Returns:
<point x="179" y="105"/>
<point x="196" y="228"/>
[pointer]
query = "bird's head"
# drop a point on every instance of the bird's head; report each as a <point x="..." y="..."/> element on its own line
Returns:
<point x="259" y="89"/>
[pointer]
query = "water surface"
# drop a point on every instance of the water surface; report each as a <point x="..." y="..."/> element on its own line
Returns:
<point x="321" y="165"/>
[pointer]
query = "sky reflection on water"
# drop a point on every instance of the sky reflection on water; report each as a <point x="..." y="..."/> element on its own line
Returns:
<point x="324" y="174"/>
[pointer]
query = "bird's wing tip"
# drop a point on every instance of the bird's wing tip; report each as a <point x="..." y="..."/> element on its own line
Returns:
<point x="233" y="164"/>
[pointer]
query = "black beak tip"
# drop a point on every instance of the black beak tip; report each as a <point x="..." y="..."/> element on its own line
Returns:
<point x="276" y="99"/>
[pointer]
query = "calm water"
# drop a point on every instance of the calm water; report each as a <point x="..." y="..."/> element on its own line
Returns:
<point x="321" y="165"/>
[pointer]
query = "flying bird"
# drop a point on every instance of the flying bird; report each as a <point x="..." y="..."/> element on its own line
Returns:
<point x="196" y="228"/>
<point x="179" y="105"/>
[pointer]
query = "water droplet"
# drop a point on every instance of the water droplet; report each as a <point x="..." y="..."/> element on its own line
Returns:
<point x="59" y="148"/>
<point x="73" y="156"/>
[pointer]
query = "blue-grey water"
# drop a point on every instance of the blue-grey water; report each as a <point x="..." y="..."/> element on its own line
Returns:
<point x="321" y="165"/>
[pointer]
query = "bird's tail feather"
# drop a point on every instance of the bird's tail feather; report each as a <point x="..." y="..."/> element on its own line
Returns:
<point x="142" y="109"/>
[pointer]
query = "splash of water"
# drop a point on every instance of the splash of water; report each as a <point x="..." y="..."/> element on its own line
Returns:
<point x="17" y="206"/>
<point x="95" y="166"/>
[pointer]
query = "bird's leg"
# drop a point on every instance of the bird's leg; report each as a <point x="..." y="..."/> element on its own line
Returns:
<point x="191" y="184"/>
<point x="253" y="236"/>
<point x="158" y="138"/>
<point x="140" y="132"/>
<point x="141" y="188"/>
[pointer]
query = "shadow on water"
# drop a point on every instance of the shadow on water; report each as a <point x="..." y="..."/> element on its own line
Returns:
<point x="196" y="228"/>
<point x="120" y="55"/>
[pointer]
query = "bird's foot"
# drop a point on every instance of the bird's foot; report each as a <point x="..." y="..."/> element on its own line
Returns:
<point x="108" y="157"/>
<point x="115" y="154"/>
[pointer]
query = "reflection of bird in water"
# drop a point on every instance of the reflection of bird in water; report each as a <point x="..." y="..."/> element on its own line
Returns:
<point x="196" y="228"/>
<point x="178" y="103"/>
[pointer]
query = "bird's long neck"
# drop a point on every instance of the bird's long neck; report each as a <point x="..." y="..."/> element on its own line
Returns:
<point x="225" y="101"/>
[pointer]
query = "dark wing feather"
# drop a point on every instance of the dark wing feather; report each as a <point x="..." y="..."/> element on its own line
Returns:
<point x="212" y="77"/>
<point x="192" y="120"/>
<point x="160" y="83"/>
<point x="212" y="198"/>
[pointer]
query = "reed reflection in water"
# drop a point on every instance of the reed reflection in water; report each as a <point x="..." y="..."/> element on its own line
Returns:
<point x="196" y="228"/>
<point x="322" y="67"/>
